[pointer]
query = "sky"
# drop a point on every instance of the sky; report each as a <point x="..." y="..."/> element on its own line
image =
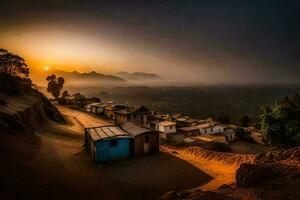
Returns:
<point x="203" y="41"/>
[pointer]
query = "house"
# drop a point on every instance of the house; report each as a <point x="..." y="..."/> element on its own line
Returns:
<point x="189" y="131"/>
<point x="143" y="115"/>
<point x="98" y="108"/>
<point x="190" y="122"/>
<point x="229" y="135"/>
<point x="153" y="124"/>
<point x="107" y="143"/>
<point x="211" y="128"/>
<point x="175" y="138"/>
<point x="136" y="115"/>
<point x="144" y="140"/>
<point x="77" y="99"/>
<point x="109" y="111"/>
<point x="180" y="122"/>
<point x="165" y="128"/>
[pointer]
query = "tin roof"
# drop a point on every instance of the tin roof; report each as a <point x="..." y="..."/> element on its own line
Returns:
<point x="105" y="132"/>
<point x="166" y="123"/>
<point x="134" y="130"/>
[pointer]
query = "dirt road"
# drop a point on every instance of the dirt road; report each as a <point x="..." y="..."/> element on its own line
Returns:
<point x="85" y="119"/>
<point x="61" y="169"/>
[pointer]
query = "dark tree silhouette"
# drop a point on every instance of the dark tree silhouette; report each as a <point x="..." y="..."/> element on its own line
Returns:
<point x="65" y="94"/>
<point x="55" y="85"/>
<point x="13" y="64"/>
<point x="244" y="121"/>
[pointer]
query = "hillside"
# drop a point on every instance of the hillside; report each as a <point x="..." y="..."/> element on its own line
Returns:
<point x="22" y="110"/>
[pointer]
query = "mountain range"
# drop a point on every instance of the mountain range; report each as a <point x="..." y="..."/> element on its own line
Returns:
<point x="138" y="76"/>
<point x="95" y="78"/>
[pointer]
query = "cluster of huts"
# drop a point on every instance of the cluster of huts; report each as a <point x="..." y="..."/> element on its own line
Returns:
<point x="138" y="130"/>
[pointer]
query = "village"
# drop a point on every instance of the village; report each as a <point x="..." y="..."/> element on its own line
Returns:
<point x="134" y="131"/>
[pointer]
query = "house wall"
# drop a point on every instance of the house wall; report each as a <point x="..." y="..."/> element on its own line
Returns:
<point x="140" y="140"/>
<point x="99" y="110"/>
<point x="105" y="152"/>
<point x="212" y="130"/>
<point x="141" y="119"/>
<point x="180" y="123"/>
<point x="167" y="129"/>
<point x="176" y="138"/>
<point x="109" y="114"/>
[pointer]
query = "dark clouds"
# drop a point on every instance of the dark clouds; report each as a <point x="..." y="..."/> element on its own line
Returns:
<point x="255" y="40"/>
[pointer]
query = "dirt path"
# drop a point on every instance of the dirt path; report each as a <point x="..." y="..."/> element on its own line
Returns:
<point x="85" y="119"/>
<point x="222" y="171"/>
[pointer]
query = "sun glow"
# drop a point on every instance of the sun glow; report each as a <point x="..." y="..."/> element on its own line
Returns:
<point x="46" y="68"/>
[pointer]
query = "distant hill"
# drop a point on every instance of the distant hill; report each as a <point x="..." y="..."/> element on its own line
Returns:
<point x="138" y="76"/>
<point x="73" y="78"/>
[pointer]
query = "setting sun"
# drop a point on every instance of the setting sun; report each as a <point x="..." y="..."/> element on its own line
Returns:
<point x="46" y="68"/>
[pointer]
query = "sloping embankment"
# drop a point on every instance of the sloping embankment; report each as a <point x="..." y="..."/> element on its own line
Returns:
<point x="221" y="166"/>
<point x="24" y="113"/>
<point x="19" y="118"/>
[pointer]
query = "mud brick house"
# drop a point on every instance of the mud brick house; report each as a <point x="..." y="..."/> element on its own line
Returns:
<point x="144" y="140"/>
<point x="107" y="143"/>
<point x="138" y="116"/>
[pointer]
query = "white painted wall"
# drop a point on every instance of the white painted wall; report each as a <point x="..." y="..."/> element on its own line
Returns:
<point x="167" y="129"/>
<point x="212" y="130"/>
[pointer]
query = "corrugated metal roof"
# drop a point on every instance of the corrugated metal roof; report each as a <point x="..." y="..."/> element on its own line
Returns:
<point x="134" y="130"/>
<point x="104" y="132"/>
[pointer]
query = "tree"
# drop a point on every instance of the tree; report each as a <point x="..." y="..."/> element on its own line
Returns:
<point x="244" y="121"/>
<point x="55" y="85"/>
<point x="65" y="94"/>
<point x="281" y="123"/>
<point x="13" y="64"/>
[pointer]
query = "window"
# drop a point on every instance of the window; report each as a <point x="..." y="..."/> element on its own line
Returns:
<point x="211" y="130"/>
<point x="171" y="127"/>
<point x="205" y="131"/>
<point x="146" y="139"/>
<point x="113" y="143"/>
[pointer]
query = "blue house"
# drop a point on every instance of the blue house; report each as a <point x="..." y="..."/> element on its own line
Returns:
<point x="107" y="143"/>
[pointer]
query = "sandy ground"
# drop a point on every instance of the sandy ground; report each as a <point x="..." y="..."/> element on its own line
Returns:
<point x="59" y="168"/>
<point x="217" y="166"/>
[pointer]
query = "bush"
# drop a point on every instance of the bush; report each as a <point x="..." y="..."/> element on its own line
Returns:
<point x="281" y="122"/>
